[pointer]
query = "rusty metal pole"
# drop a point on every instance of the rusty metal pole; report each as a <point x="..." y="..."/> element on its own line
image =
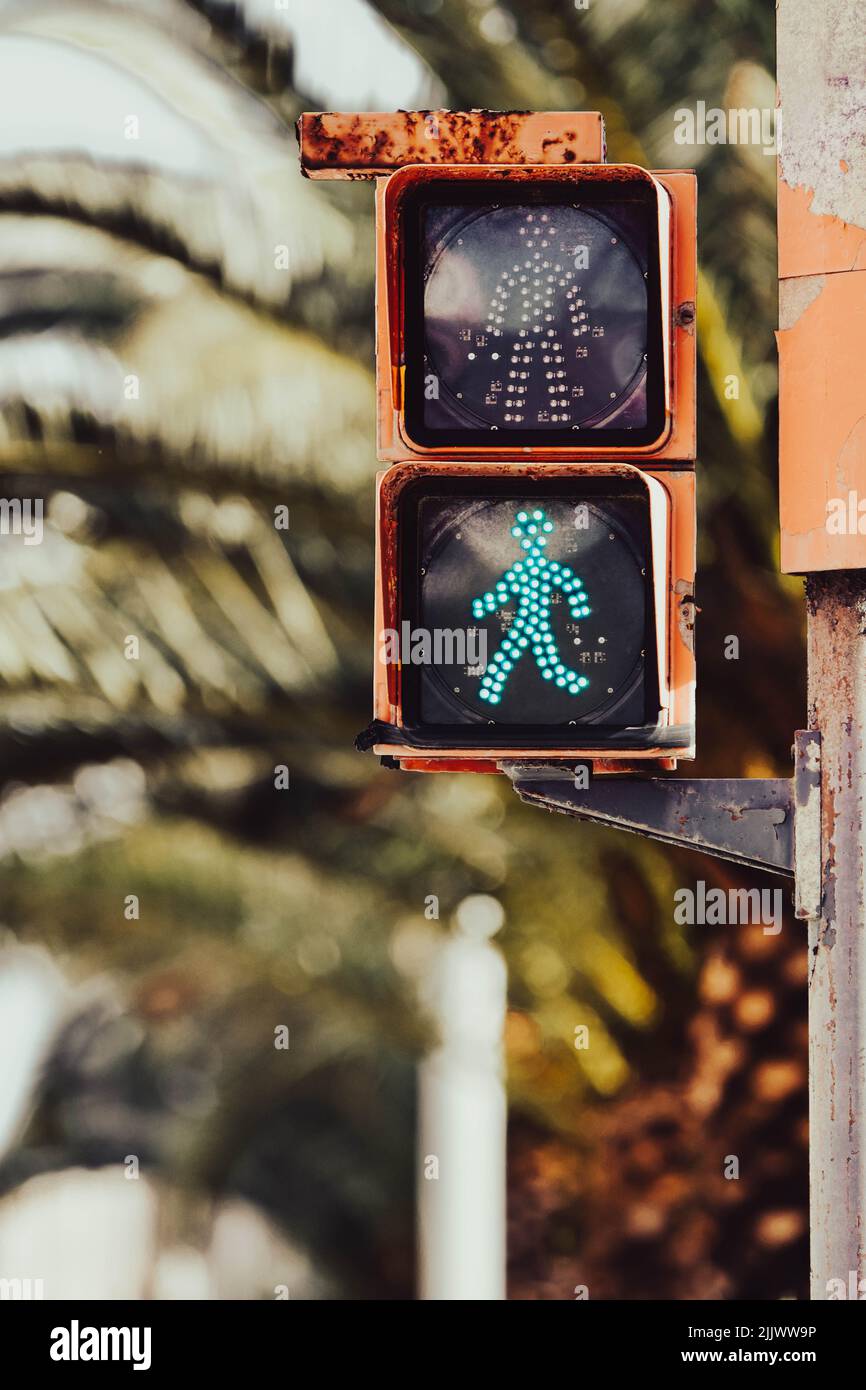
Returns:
<point x="837" y="939"/>
<point x="822" y="500"/>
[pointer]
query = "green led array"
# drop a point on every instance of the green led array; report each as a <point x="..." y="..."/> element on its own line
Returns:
<point x="531" y="580"/>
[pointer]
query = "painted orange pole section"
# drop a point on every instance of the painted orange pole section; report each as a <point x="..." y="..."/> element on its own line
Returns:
<point x="822" y="427"/>
<point x="822" y="285"/>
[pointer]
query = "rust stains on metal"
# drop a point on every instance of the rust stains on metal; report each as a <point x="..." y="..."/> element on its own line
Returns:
<point x="685" y="316"/>
<point x="836" y="607"/>
<point x="686" y="612"/>
<point x="365" y="144"/>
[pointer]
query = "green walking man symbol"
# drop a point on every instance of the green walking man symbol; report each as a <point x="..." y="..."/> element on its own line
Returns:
<point x="533" y="580"/>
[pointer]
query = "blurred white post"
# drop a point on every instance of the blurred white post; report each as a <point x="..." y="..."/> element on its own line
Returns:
<point x="33" y="1002"/>
<point x="462" y="1115"/>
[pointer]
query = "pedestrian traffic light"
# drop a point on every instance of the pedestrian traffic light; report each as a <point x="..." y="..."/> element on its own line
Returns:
<point x="536" y="382"/>
<point x="532" y="309"/>
<point x="526" y="613"/>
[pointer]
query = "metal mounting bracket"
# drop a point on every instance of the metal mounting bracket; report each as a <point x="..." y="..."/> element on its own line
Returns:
<point x="765" y="823"/>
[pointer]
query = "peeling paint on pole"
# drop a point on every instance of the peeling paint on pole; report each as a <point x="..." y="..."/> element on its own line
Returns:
<point x="822" y="273"/>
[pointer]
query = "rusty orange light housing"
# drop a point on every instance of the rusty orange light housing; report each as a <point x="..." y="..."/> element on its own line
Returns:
<point x="447" y="273"/>
<point x="529" y="309"/>
<point x="535" y="350"/>
<point x="588" y="638"/>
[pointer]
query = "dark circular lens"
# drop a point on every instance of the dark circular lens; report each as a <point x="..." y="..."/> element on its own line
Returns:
<point x="535" y="317"/>
<point x="555" y="591"/>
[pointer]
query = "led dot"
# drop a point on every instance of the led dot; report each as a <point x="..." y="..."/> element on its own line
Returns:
<point x="547" y="675"/>
<point x="560" y="680"/>
<point x="583" y="682"/>
<point x="573" y="689"/>
<point x="494" y="699"/>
